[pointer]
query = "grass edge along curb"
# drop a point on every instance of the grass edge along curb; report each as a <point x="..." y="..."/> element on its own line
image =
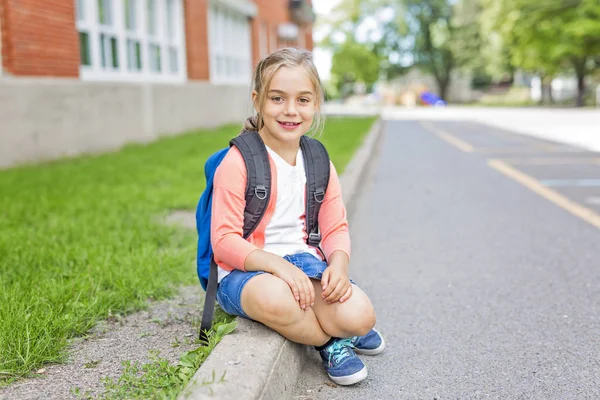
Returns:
<point x="159" y="378"/>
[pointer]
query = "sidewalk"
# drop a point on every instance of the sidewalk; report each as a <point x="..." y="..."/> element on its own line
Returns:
<point x="576" y="127"/>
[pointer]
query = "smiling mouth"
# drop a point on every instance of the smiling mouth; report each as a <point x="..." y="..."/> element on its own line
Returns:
<point x="290" y="126"/>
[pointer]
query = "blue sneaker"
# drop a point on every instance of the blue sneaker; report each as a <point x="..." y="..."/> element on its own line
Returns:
<point x="341" y="363"/>
<point x="370" y="344"/>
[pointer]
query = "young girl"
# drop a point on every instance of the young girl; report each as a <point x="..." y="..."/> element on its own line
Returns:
<point x="274" y="277"/>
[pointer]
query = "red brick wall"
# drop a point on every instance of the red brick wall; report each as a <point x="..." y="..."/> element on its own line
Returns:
<point x="273" y="13"/>
<point x="196" y="36"/>
<point x="39" y="38"/>
<point x="3" y="36"/>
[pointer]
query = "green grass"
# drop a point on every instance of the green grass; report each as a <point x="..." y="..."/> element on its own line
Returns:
<point x="159" y="379"/>
<point x="81" y="239"/>
<point x="342" y="137"/>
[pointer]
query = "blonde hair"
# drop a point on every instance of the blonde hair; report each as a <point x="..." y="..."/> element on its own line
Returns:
<point x="263" y="75"/>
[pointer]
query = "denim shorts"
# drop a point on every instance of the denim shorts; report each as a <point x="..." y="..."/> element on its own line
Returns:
<point x="229" y="291"/>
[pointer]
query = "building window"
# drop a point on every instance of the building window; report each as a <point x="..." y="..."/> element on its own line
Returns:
<point x="154" y="50"/>
<point x="173" y="50"/>
<point x="84" y="35"/>
<point x="133" y="36"/>
<point x="230" y="46"/>
<point x="131" y="40"/>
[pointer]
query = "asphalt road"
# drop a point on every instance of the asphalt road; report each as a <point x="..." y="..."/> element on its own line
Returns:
<point x="485" y="275"/>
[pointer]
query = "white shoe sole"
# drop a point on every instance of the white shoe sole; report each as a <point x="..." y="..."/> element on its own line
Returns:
<point x="372" y="352"/>
<point x="350" y="379"/>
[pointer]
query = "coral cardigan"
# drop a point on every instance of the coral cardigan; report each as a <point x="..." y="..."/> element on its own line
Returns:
<point x="226" y="232"/>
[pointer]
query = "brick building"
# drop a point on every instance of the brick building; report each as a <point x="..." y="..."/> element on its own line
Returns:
<point x="136" y="68"/>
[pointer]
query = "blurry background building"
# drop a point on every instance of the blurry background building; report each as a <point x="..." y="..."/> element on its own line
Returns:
<point x="90" y="75"/>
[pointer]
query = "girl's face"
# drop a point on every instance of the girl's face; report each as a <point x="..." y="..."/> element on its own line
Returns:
<point x="289" y="108"/>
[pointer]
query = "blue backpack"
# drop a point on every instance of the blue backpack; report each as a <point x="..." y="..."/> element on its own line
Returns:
<point x="258" y="193"/>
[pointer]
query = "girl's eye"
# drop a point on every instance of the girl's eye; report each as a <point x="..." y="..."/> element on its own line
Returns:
<point x="304" y="100"/>
<point x="277" y="99"/>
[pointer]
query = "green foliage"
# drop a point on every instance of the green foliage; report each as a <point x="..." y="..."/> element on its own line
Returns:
<point x="354" y="62"/>
<point x="548" y="37"/>
<point x="490" y="38"/>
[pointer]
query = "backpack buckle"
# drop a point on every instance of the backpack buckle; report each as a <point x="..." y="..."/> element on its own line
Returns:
<point x="260" y="191"/>
<point x="319" y="195"/>
<point x="314" y="238"/>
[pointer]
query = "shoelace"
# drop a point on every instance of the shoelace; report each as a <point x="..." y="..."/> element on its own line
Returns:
<point x="339" y="350"/>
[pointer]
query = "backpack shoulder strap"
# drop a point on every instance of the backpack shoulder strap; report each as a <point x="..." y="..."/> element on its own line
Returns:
<point x="316" y="165"/>
<point x="258" y="186"/>
<point x="258" y="193"/>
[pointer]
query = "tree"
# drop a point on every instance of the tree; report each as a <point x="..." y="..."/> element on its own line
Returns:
<point x="354" y="62"/>
<point x="431" y="25"/>
<point x="545" y="37"/>
<point x="420" y="35"/>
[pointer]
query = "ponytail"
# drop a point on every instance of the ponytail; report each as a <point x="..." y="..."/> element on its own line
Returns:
<point x="251" y="124"/>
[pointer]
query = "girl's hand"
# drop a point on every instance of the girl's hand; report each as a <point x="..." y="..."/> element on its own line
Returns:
<point x="300" y="284"/>
<point x="336" y="284"/>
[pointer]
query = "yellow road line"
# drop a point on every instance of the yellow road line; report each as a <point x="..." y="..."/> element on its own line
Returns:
<point x="551" y="161"/>
<point x="584" y="213"/>
<point x="464" y="146"/>
<point x="510" y="150"/>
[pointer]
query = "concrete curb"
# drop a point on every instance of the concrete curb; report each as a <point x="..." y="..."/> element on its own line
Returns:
<point x="256" y="362"/>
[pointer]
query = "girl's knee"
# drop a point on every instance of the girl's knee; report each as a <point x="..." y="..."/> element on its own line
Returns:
<point x="360" y="320"/>
<point x="354" y="318"/>
<point x="271" y="300"/>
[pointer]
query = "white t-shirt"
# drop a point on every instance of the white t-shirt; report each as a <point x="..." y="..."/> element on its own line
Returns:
<point x="285" y="232"/>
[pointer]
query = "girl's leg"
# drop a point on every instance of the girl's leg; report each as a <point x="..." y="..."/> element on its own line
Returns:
<point x="354" y="317"/>
<point x="269" y="300"/>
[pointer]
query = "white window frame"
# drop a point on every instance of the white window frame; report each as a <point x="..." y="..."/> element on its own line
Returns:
<point x="230" y="41"/>
<point x="90" y="24"/>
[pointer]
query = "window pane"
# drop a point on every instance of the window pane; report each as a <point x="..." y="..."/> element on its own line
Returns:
<point x="84" y="48"/>
<point x="104" y="12"/>
<point x="138" y="55"/>
<point x="151" y="5"/>
<point x="130" y="54"/>
<point x="103" y="51"/>
<point x="170" y="19"/>
<point x="173" y="60"/>
<point x="80" y="6"/>
<point x="114" y="52"/>
<point x="130" y="15"/>
<point x="134" y="55"/>
<point x="154" y="51"/>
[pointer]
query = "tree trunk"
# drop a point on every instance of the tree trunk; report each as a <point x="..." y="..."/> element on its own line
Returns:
<point x="580" y="89"/>
<point x="443" y="86"/>
<point x="546" y="82"/>
<point x="580" y="72"/>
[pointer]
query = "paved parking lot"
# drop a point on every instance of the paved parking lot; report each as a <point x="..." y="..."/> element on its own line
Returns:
<point x="567" y="175"/>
